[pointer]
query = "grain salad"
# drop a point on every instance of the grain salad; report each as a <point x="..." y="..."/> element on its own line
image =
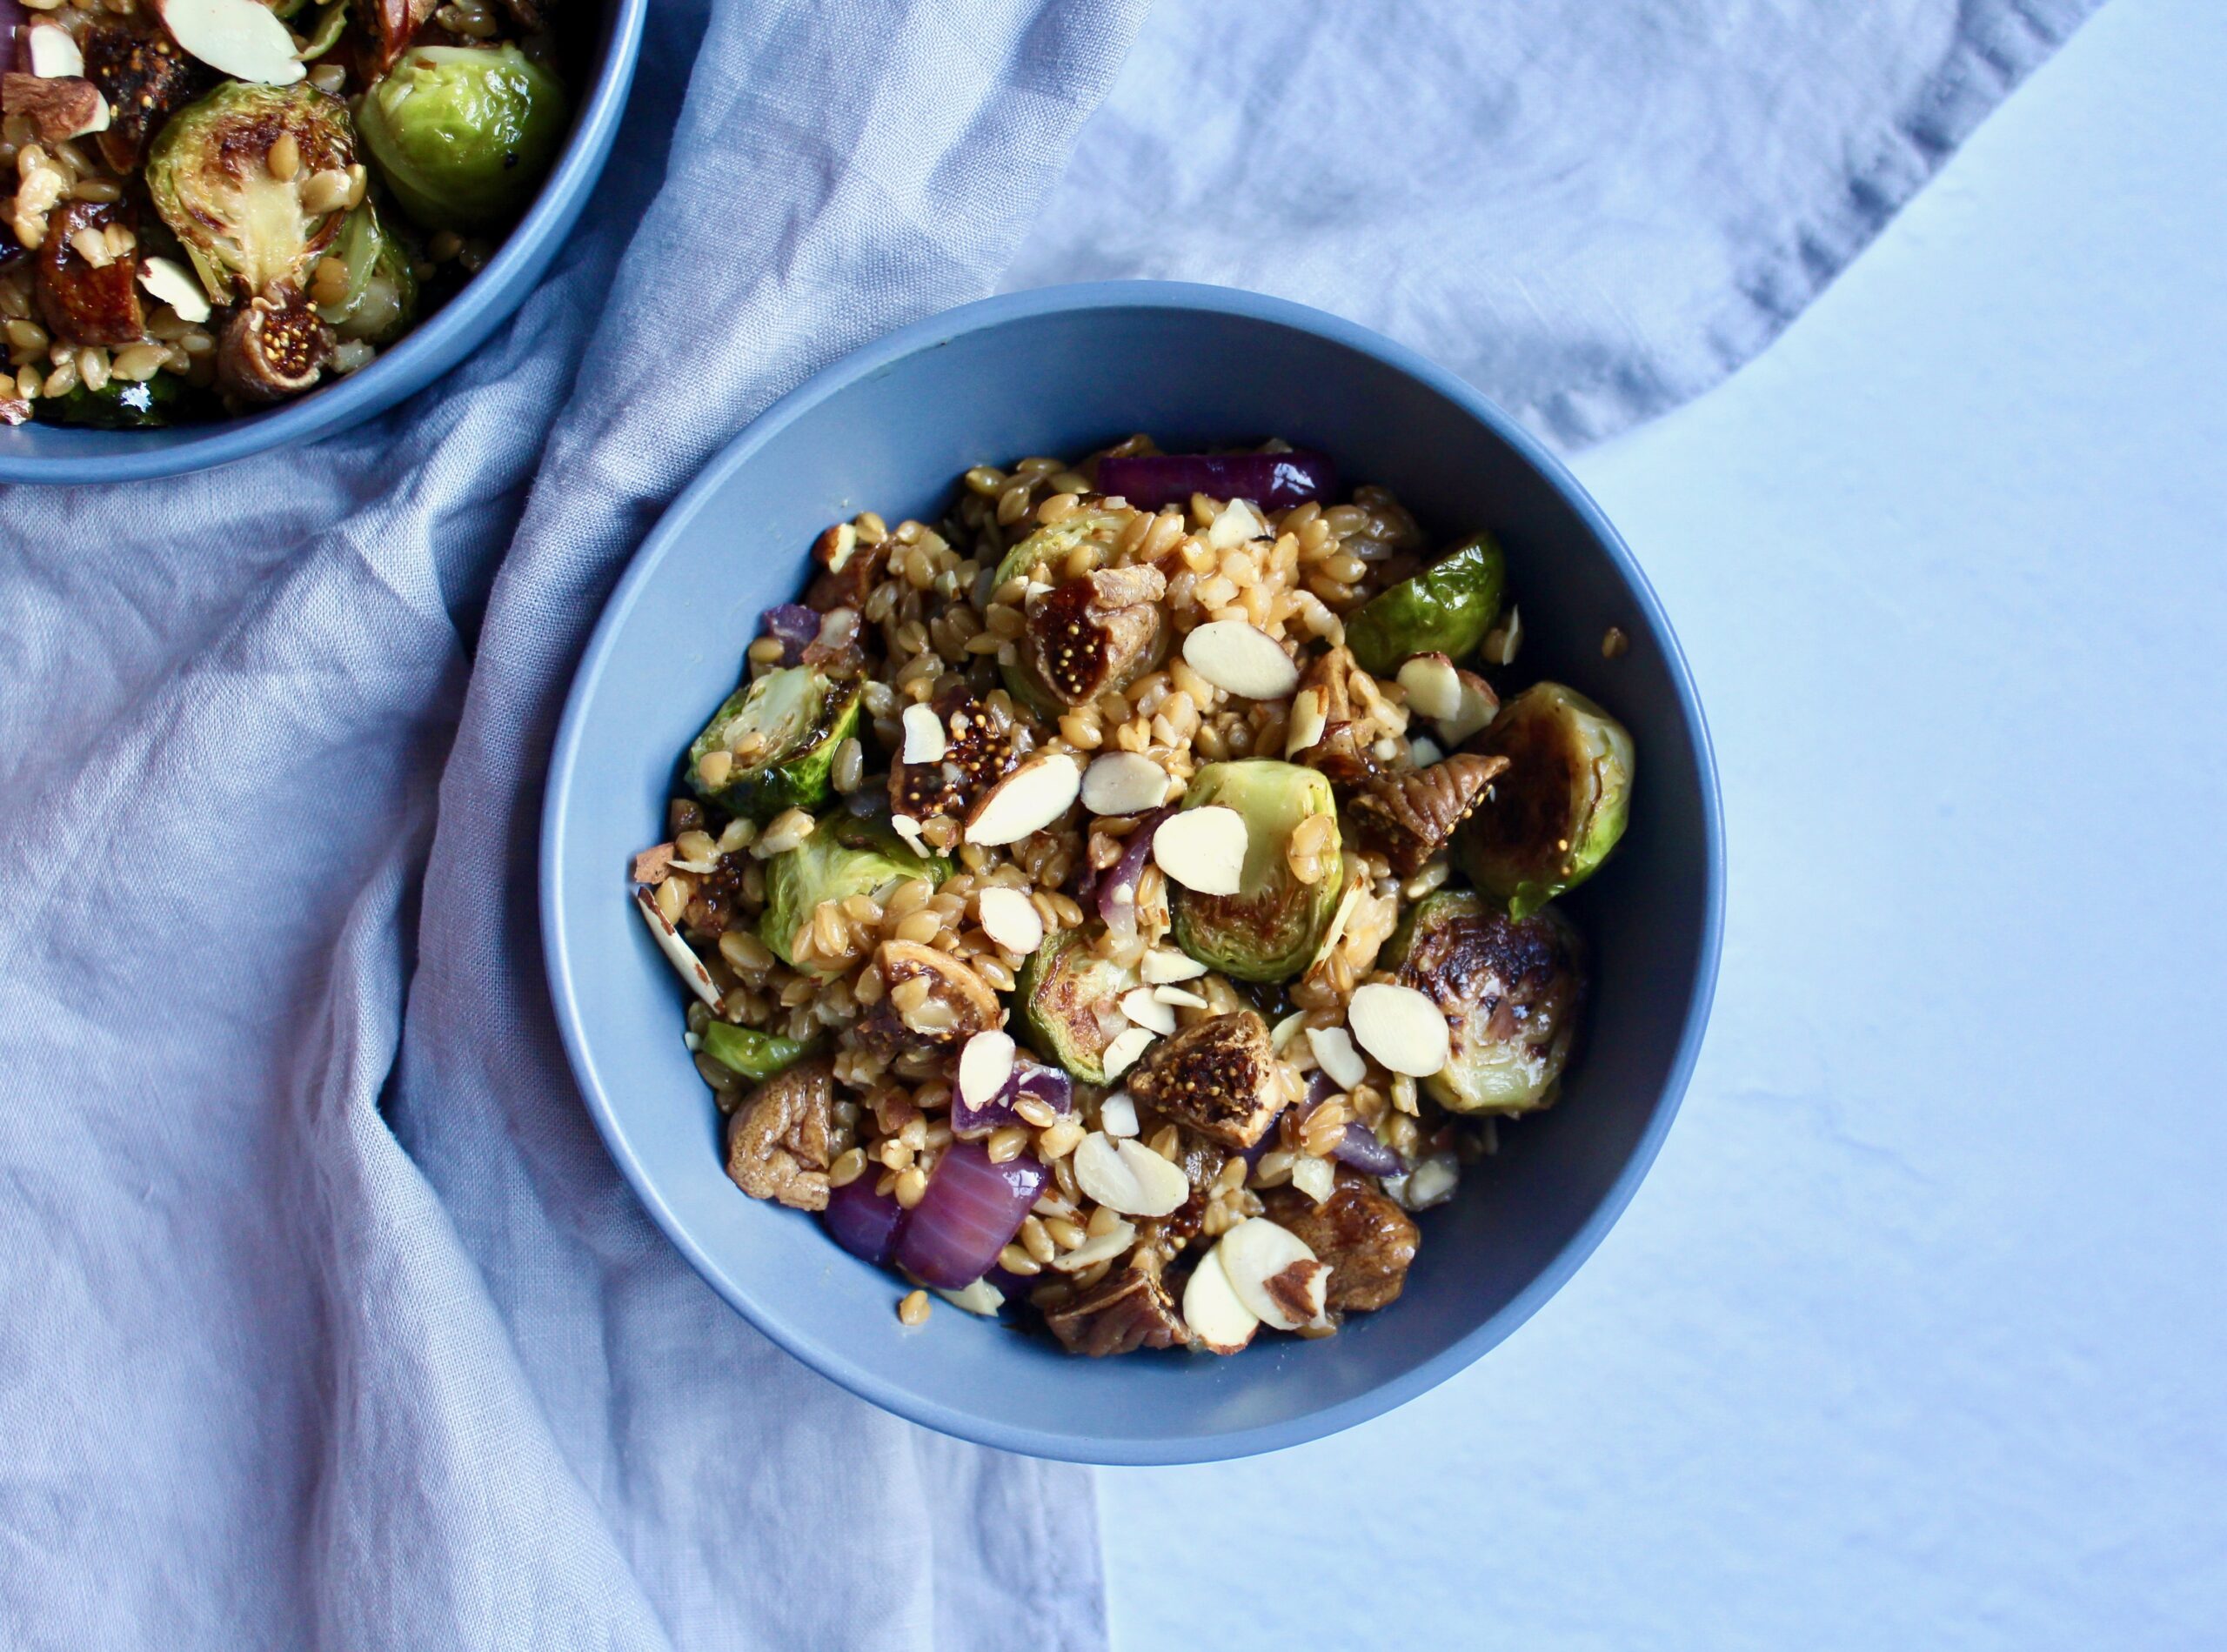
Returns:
<point x="1126" y="902"/>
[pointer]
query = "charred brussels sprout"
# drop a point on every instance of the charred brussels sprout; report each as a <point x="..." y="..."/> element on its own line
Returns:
<point x="772" y="746"/>
<point x="1447" y="609"/>
<point x="1559" y="807"/>
<point x="463" y="134"/>
<point x="877" y="832"/>
<point x="1511" y="990"/>
<point x="1270" y="929"/>
<point x="1068" y="999"/>
<point x="756" y="1056"/>
<point x="208" y="174"/>
<point x="818" y="869"/>
<point x="382" y="296"/>
<point x="1056" y="540"/>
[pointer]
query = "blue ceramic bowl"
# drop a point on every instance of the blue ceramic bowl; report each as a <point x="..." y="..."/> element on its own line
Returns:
<point x="35" y="452"/>
<point x="1059" y="372"/>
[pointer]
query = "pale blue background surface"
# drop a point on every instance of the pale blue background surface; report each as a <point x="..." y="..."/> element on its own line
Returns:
<point x="1914" y="1337"/>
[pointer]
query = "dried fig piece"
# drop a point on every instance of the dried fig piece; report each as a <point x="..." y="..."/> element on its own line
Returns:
<point x="929" y="1001"/>
<point x="783" y="1137"/>
<point x="1218" y="1076"/>
<point x="1409" y="817"/>
<point x="275" y="346"/>
<point x="1128" y="1309"/>
<point x="146" y="78"/>
<point x="981" y="748"/>
<point x="849" y="569"/>
<point x="1325" y="732"/>
<point x="1368" y="1240"/>
<point x="1091" y="633"/>
<point x="84" y="303"/>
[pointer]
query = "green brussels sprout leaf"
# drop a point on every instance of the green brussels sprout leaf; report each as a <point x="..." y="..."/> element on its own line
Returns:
<point x="772" y="746"/>
<point x="1510" y="989"/>
<point x="1559" y="807"/>
<point x="1447" y="609"/>
<point x="462" y="134"/>
<point x="756" y="1056"/>
<point x="1271" y="928"/>
<point x="325" y="33"/>
<point x="382" y="298"/>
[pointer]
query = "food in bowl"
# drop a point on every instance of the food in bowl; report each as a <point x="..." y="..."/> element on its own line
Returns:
<point x="212" y="205"/>
<point x="1126" y="902"/>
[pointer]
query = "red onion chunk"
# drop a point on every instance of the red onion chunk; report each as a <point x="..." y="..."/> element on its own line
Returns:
<point x="1360" y="1148"/>
<point x="970" y="1213"/>
<point x="1120" y="914"/>
<point x="1049" y="1085"/>
<point x="1277" y="481"/>
<point x="791" y="623"/>
<point x="864" y="1222"/>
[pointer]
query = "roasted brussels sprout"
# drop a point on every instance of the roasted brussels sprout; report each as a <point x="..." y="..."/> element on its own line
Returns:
<point x="1447" y="609"/>
<point x="1270" y="928"/>
<point x="772" y="745"/>
<point x="818" y="869"/>
<point x="1558" y="808"/>
<point x="755" y="1055"/>
<point x="382" y="298"/>
<point x="121" y="404"/>
<point x="1510" y="989"/>
<point x="245" y="229"/>
<point x="1069" y="997"/>
<point x="462" y="134"/>
<point x="876" y="831"/>
<point x="1056" y="540"/>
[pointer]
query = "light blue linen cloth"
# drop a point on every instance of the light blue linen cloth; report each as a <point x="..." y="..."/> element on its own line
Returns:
<point x="324" y="1319"/>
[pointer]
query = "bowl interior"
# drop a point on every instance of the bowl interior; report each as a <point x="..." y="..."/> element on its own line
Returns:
<point x="58" y="453"/>
<point x="1058" y="373"/>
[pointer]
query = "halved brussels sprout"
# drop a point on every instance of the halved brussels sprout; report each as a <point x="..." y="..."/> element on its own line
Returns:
<point x="755" y="1055"/>
<point x="463" y="134"/>
<point x="382" y="298"/>
<point x="208" y="173"/>
<point x="1447" y="609"/>
<point x="818" y="869"/>
<point x="772" y="745"/>
<point x="877" y="832"/>
<point x="1271" y="927"/>
<point x="1559" y="807"/>
<point x="1511" y="990"/>
<point x="1068" y="997"/>
<point x="1057" y="540"/>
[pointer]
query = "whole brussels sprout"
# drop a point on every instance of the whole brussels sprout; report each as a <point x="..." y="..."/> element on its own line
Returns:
<point x="244" y="229"/>
<point x="1447" y="609"/>
<point x="818" y="869"/>
<point x="462" y="134"/>
<point x="1553" y="813"/>
<point x="382" y="298"/>
<point x="1270" y="929"/>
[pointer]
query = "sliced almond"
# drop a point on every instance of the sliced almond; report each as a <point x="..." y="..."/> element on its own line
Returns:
<point x="985" y="1066"/>
<point x="51" y="52"/>
<point x="1240" y="659"/>
<point x="677" y="951"/>
<point x="1028" y="799"/>
<point x="1478" y="707"/>
<point x="177" y="286"/>
<point x="242" y="38"/>
<point x="1280" y="1035"/>
<point x="1128" y="1177"/>
<point x="1099" y="1247"/>
<point x="1234" y="526"/>
<point x="1308" y="719"/>
<point x="1273" y="1272"/>
<point x="1424" y="751"/>
<point x="1212" y="1309"/>
<point x="1339" y="920"/>
<point x="1334" y="1054"/>
<point x="1010" y="919"/>
<point x="1401" y="1027"/>
<point x="1434" y="687"/>
<point x="1315" y="1178"/>
<point x="925" y="739"/>
<point x="1140" y="1006"/>
<point x="1203" y="849"/>
<point x="1431" y="1182"/>
<point x="1179" y="996"/>
<point x="1503" y="639"/>
<point x="1160" y="966"/>
<point x="909" y="829"/>
<point x="981" y="1297"/>
<point x="1123" y="1049"/>
<point x="1123" y="783"/>
<point x="1117" y="1114"/>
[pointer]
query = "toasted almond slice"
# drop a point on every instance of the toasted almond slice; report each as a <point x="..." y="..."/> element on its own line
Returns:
<point x="1099" y="1247"/>
<point x="1339" y="920"/>
<point x="1203" y="849"/>
<point x="52" y="53"/>
<point x="1010" y="919"/>
<point x="909" y="829"/>
<point x="1503" y="639"/>
<point x="925" y="739"/>
<point x="1240" y="659"/>
<point x="1424" y="752"/>
<point x="1433" y="1181"/>
<point x="1123" y="1049"/>
<point x="1280" y="1035"/>
<point x="1234" y="526"/>
<point x="1179" y="997"/>
<point x="1307" y="722"/>
<point x="1315" y="1178"/>
<point x="1273" y="1272"/>
<point x="1117" y="1114"/>
<point x="1128" y="1177"/>
<point x="1212" y="1309"/>
<point x="1123" y="783"/>
<point x="242" y="38"/>
<point x="1401" y="1027"/>
<point x="1478" y="707"/>
<point x="1028" y="799"/>
<point x="677" y="951"/>
<point x="1140" y="1006"/>
<point x="981" y="1297"/>
<point x="1160" y="966"/>
<point x="984" y="1066"/>
<point x="1334" y="1054"/>
<point x="1434" y="686"/>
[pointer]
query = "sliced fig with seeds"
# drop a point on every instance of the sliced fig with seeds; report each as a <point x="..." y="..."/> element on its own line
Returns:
<point x="275" y="346"/>
<point x="146" y="78"/>
<point x="979" y="749"/>
<point x="1092" y="633"/>
<point x="1220" y="1077"/>
<point x="1409" y="817"/>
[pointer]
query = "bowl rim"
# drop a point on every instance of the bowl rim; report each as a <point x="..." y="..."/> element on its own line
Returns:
<point x="428" y="353"/>
<point x="1118" y="1449"/>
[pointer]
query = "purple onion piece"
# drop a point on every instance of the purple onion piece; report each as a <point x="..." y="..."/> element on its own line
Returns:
<point x="1321" y="1087"/>
<point x="864" y="1222"/>
<point x="1047" y="1083"/>
<point x="970" y="1213"/>
<point x="1275" y="480"/>
<point x="1015" y="1287"/>
<point x="794" y="626"/>
<point x="1120" y="915"/>
<point x="1360" y="1148"/>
